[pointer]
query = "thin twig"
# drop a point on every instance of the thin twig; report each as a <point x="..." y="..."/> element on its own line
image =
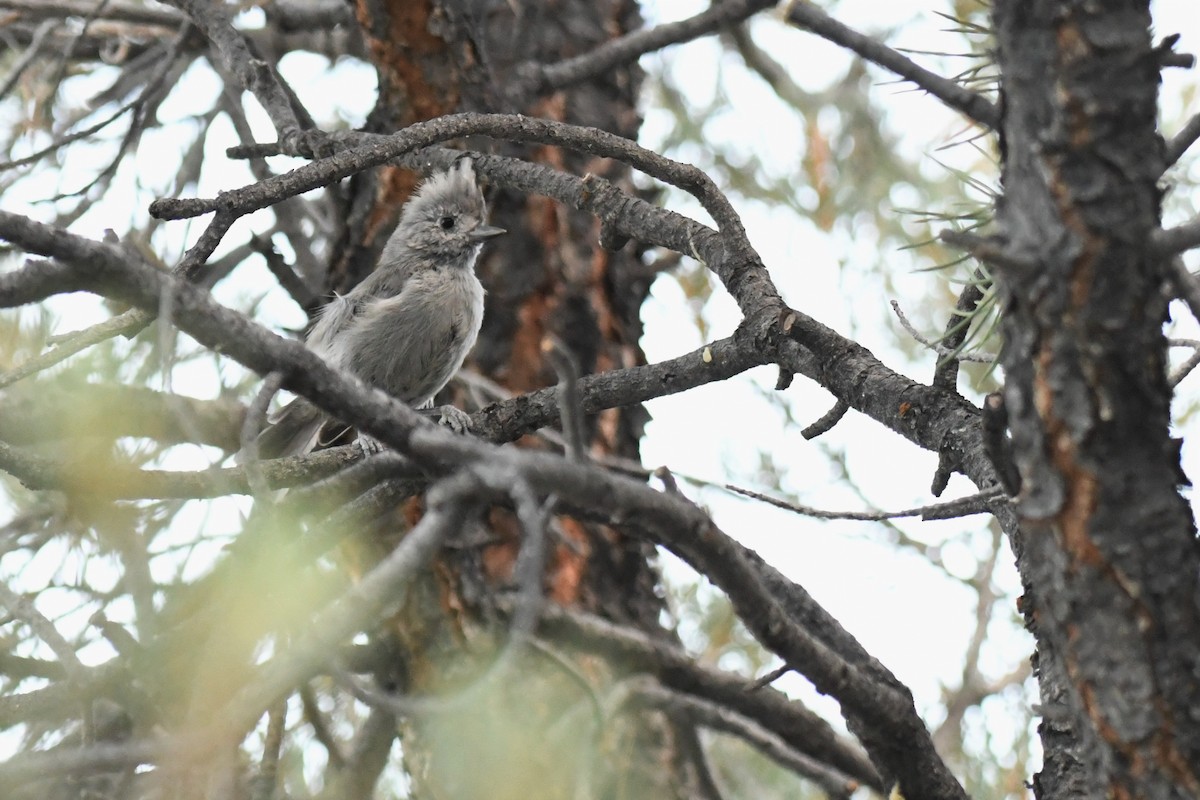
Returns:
<point x="31" y="52"/>
<point x="321" y="732"/>
<point x="978" y="503"/>
<point x="945" y="373"/>
<point x="252" y="426"/>
<point x="23" y="609"/>
<point x="1180" y="142"/>
<point x="808" y="16"/>
<point x="1185" y="284"/>
<point x="769" y="678"/>
<point x="720" y="718"/>
<point x="288" y="278"/>
<point x="775" y="74"/>
<point x="570" y="408"/>
<point x="268" y="767"/>
<point x="939" y="347"/>
<point x="70" y="344"/>
<point x="1183" y="370"/>
<point x="825" y="424"/>
<point x="989" y="250"/>
<point x="63" y="141"/>
<point x="531" y="560"/>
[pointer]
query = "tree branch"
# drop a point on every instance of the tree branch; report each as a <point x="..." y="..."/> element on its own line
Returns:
<point x="257" y="76"/>
<point x="118" y="10"/>
<point x="718" y="718"/>
<point x="808" y="16"/>
<point x="735" y="262"/>
<point x="34" y="414"/>
<point x="804" y="731"/>
<point x="1173" y="241"/>
<point x="668" y="520"/>
<point x="631" y="46"/>
<point x="1180" y="143"/>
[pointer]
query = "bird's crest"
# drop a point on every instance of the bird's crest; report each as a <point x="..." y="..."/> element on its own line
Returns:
<point x="454" y="187"/>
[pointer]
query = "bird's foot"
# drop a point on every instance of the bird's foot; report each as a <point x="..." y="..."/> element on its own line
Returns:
<point x="368" y="445"/>
<point x="455" y="419"/>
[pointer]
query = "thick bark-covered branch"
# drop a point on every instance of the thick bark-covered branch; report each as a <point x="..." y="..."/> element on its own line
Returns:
<point x="120" y="411"/>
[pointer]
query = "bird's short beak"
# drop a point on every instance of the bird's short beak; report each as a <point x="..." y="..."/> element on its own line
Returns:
<point x="486" y="232"/>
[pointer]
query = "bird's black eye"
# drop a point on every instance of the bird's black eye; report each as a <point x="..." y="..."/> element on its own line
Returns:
<point x="446" y="223"/>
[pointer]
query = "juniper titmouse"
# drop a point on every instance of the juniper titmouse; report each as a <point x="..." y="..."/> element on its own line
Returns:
<point x="407" y="328"/>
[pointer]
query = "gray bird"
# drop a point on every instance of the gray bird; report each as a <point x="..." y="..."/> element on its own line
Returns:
<point x="407" y="328"/>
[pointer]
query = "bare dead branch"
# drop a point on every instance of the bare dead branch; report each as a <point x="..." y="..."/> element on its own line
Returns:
<point x="22" y="608"/>
<point x="70" y="345"/>
<point x="768" y="678"/>
<point x="1185" y="284"/>
<point x="258" y="77"/>
<point x="1178" y="239"/>
<point x="218" y="423"/>
<point x="825" y="424"/>
<point x="570" y="407"/>
<point x="1187" y="367"/>
<point x="736" y="263"/>
<point x="978" y="503"/>
<point x="631" y="46"/>
<point x="803" y="731"/>
<point x="1180" y="143"/>
<point x="808" y="16"/>
<point x="719" y="718"/>
<point x="942" y="348"/>
<point x="114" y="10"/>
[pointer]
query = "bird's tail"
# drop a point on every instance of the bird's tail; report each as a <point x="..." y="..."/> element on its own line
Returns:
<point x="295" y="430"/>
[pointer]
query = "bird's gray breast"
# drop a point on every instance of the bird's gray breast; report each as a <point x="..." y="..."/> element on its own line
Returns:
<point x="410" y="345"/>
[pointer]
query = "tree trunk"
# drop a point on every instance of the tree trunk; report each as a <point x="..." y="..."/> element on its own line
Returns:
<point x="1107" y="540"/>
<point x="528" y="729"/>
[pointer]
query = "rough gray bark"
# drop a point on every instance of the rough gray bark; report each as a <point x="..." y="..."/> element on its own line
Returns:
<point x="1108" y="553"/>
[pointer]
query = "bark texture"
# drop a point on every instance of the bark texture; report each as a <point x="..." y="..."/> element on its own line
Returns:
<point x="547" y="277"/>
<point x="1109" y="552"/>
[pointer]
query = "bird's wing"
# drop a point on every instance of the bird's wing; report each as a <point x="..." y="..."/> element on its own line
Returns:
<point x="334" y="318"/>
<point x="339" y="314"/>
